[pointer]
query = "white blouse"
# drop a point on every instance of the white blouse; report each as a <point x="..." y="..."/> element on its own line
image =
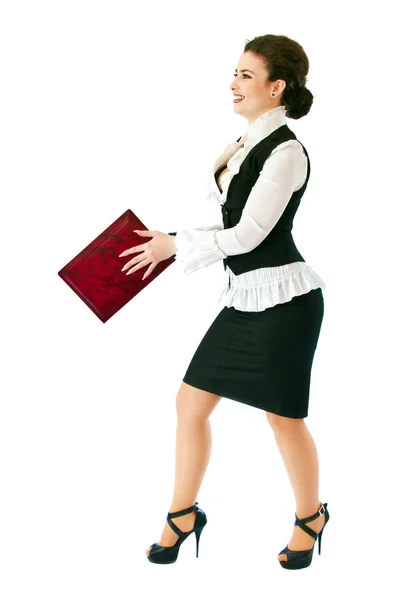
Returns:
<point x="284" y="171"/>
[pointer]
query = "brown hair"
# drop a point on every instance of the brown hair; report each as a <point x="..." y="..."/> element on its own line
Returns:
<point x="284" y="58"/>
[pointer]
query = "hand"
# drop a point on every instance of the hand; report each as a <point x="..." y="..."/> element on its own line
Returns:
<point x="161" y="247"/>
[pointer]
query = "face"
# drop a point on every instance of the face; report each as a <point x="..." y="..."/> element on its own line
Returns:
<point x="251" y="81"/>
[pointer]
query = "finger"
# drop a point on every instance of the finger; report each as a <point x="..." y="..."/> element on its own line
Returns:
<point x="149" y="270"/>
<point x="132" y="250"/>
<point x="138" y="266"/>
<point x="133" y="261"/>
<point x="126" y="266"/>
<point x="144" y="232"/>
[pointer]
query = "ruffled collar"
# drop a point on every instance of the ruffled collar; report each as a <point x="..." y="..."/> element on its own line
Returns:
<point x="263" y="126"/>
<point x="235" y="153"/>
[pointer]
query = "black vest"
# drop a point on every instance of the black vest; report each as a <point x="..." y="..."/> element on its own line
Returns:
<point x="278" y="248"/>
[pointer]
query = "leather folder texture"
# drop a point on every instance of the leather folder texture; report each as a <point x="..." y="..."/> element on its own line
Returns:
<point x="95" y="273"/>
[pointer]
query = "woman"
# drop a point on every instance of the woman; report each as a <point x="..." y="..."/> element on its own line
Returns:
<point x="259" y="350"/>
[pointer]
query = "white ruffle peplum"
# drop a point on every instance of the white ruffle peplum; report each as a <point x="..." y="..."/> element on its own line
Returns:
<point x="257" y="290"/>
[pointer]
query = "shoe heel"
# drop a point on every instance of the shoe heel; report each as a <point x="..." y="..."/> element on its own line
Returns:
<point x="322" y="530"/>
<point x="198" y="534"/>
<point x="319" y="541"/>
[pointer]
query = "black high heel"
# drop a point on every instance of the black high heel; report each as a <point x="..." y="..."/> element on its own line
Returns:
<point x="165" y="555"/>
<point x="299" y="559"/>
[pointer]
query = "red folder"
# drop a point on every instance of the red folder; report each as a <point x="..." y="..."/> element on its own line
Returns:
<point x="95" y="273"/>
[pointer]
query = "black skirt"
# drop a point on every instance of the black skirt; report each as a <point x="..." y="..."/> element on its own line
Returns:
<point x="262" y="359"/>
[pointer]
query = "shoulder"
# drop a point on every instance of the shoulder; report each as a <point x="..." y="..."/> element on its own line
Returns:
<point x="289" y="154"/>
<point x="291" y="148"/>
<point x="287" y="163"/>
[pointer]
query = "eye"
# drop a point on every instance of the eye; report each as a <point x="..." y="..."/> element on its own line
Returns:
<point x="244" y="75"/>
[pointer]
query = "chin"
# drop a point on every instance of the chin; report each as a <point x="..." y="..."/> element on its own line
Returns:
<point x="238" y="110"/>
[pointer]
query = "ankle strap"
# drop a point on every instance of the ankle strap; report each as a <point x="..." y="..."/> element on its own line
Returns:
<point x="185" y="511"/>
<point x="303" y="526"/>
<point x="180" y="513"/>
<point x="319" y="513"/>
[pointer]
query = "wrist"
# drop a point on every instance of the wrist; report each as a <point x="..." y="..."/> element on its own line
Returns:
<point x="173" y="245"/>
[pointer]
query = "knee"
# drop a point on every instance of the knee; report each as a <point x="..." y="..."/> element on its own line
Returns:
<point x="193" y="404"/>
<point x="184" y="406"/>
<point x="279" y="423"/>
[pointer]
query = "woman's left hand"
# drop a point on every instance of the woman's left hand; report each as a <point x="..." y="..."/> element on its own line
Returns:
<point x="161" y="247"/>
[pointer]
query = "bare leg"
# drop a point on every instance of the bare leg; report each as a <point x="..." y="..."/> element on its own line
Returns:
<point x="300" y="457"/>
<point x="192" y="455"/>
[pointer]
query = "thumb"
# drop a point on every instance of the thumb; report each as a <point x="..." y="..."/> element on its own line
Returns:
<point x="144" y="232"/>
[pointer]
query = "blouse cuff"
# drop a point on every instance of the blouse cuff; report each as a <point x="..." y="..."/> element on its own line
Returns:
<point x="196" y="248"/>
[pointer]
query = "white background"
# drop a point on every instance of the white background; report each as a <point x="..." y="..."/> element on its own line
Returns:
<point x="113" y="105"/>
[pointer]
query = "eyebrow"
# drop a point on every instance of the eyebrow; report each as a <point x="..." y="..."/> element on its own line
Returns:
<point x="243" y="70"/>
